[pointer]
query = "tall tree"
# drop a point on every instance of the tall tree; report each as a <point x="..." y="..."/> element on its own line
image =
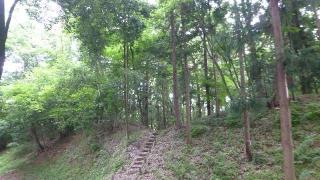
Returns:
<point x="285" y="115"/>
<point x="184" y="7"/>
<point x="173" y="33"/>
<point x="243" y="93"/>
<point x="4" y="28"/>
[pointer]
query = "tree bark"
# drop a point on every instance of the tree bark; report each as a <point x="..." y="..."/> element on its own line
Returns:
<point x="174" y="73"/>
<point x="245" y="113"/>
<point x="145" y="100"/>
<point x="255" y="67"/>
<point x="316" y="16"/>
<point x="4" y="28"/>
<point x="205" y="66"/>
<point x="164" y="105"/>
<point x="216" y="92"/>
<point x="243" y="93"/>
<point x="188" y="105"/>
<point x="199" y="107"/>
<point x="215" y="62"/>
<point x="36" y="138"/>
<point x="186" y="74"/>
<point x="285" y="115"/>
<point x="126" y="101"/>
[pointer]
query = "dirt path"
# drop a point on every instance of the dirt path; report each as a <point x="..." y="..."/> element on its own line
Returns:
<point x="149" y="162"/>
<point x="138" y="166"/>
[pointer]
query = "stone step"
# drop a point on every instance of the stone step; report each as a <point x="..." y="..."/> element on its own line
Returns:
<point x="134" y="170"/>
<point x="149" y="143"/>
<point x="143" y="154"/>
<point x="137" y="162"/>
<point x="140" y="158"/>
<point x="148" y="146"/>
<point x="145" y="150"/>
<point x="136" y="166"/>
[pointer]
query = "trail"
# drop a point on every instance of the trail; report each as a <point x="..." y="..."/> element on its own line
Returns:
<point x="149" y="161"/>
<point x="139" y="164"/>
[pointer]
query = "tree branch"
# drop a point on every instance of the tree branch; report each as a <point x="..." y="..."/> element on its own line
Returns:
<point x="9" y="19"/>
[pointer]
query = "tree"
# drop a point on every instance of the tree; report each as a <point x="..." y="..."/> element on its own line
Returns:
<point x="285" y="115"/>
<point x="173" y="33"/>
<point x="243" y="93"/>
<point x="4" y="28"/>
<point x="183" y="12"/>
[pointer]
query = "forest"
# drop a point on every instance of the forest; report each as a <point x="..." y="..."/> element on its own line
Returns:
<point x="159" y="89"/>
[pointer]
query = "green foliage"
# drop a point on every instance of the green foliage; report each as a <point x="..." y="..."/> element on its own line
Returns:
<point x="182" y="168"/>
<point x="14" y="158"/>
<point x="198" y="130"/>
<point x="222" y="167"/>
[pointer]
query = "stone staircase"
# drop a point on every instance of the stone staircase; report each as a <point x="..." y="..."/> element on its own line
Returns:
<point x="136" y="168"/>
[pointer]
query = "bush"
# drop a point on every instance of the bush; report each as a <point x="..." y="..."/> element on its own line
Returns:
<point x="4" y="140"/>
<point x="223" y="168"/>
<point x="312" y="116"/>
<point x="182" y="168"/>
<point x="198" y="130"/>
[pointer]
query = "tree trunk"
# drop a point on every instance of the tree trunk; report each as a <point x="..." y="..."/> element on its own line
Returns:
<point x="245" y="113"/>
<point x="243" y="93"/>
<point x="145" y="100"/>
<point x="255" y="75"/>
<point x="215" y="62"/>
<point x="4" y="28"/>
<point x="2" y="36"/>
<point x="36" y="138"/>
<point x="188" y="105"/>
<point x="186" y="74"/>
<point x="315" y="14"/>
<point x="174" y="73"/>
<point x="216" y="92"/>
<point x="199" y="106"/>
<point x="285" y="115"/>
<point x="205" y="66"/>
<point x="126" y="59"/>
<point x="164" y="105"/>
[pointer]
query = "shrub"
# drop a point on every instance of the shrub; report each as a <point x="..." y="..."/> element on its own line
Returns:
<point x="198" y="130"/>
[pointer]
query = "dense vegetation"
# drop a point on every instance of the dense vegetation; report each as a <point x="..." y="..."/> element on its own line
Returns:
<point x="80" y="72"/>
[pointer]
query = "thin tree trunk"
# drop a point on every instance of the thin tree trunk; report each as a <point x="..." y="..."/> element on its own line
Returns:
<point x="188" y="105"/>
<point x="243" y="93"/>
<point x="164" y="105"/>
<point x="199" y="107"/>
<point x="36" y="138"/>
<point x="216" y="92"/>
<point x="174" y="73"/>
<point x="315" y="14"/>
<point x="2" y="36"/>
<point x="4" y="28"/>
<point x="285" y="115"/>
<point x="245" y="113"/>
<point x="214" y="60"/>
<point x="205" y="64"/>
<point x="126" y="59"/>
<point x="145" y="100"/>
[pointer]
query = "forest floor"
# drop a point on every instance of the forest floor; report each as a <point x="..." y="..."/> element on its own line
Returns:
<point x="217" y="151"/>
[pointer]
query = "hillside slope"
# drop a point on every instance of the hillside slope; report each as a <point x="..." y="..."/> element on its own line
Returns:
<point x="217" y="152"/>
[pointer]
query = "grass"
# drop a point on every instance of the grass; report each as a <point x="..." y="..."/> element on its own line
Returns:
<point x="14" y="158"/>
<point x="77" y="161"/>
<point x="218" y="153"/>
